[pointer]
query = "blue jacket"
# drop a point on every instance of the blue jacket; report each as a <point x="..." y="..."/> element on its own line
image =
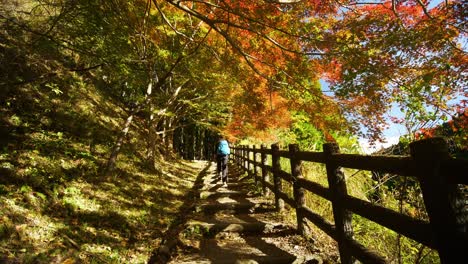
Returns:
<point x="223" y="148"/>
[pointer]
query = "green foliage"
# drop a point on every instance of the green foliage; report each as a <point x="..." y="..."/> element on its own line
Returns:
<point x="348" y="143"/>
<point x="308" y="137"/>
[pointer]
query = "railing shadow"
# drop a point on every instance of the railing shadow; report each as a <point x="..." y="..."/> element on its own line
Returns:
<point x="161" y="255"/>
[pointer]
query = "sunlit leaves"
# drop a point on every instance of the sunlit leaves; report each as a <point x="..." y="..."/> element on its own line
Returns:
<point x="401" y="53"/>
<point x="374" y="54"/>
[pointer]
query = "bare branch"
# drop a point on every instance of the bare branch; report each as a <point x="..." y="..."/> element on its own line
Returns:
<point x="248" y="19"/>
<point x="59" y="42"/>
<point x="168" y="22"/>
<point x="86" y="69"/>
<point x="234" y="45"/>
<point x="424" y="9"/>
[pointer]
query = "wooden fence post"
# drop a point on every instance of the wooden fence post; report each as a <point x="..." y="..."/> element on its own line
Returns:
<point x="242" y="157"/>
<point x="299" y="193"/>
<point x="444" y="201"/>
<point x="246" y="164"/>
<point x="249" y="172"/>
<point x="279" y="203"/>
<point x="233" y="154"/>
<point x="342" y="217"/>
<point x="263" y="158"/>
<point x="255" y="163"/>
<point x="239" y="149"/>
<point x="239" y="153"/>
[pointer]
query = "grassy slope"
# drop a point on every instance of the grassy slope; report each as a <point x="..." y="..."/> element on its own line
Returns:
<point x="55" y="206"/>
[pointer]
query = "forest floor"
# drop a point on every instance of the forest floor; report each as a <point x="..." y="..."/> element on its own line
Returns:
<point x="55" y="204"/>
<point x="116" y="219"/>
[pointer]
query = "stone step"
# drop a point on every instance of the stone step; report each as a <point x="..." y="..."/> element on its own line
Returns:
<point x="231" y="183"/>
<point x="239" y="183"/>
<point x="233" y="207"/>
<point x="230" y="206"/>
<point x="195" y="259"/>
<point x="226" y="193"/>
<point x="212" y="228"/>
<point x="218" y="185"/>
<point x="234" y="226"/>
<point x="236" y="250"/>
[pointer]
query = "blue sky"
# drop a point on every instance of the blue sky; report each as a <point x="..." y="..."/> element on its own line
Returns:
<point x="391" y="134"/>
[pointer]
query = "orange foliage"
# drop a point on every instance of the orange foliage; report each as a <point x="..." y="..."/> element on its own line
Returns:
<point x="374" y="54"/>
<point x="455" y="129"/>
<point x="258" y="110"/>
<point x="425" y="133"/>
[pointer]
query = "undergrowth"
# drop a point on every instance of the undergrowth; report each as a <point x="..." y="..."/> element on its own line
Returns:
<point x="55" y="204"/>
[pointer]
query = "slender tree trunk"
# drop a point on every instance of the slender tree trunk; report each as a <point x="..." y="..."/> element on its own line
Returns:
<point x="151" y="140"/>
<point x="176" y="140"/>
<point x="163" y="130"/>
<point x="187" y="142"/>
<point x="118" y="145"/>
<point x="200" y="137"/>
<point x="168" y="134"/>
<point x="192" y="134"/>
<point x="181" y="147"/>
<point x="151" y="147"/>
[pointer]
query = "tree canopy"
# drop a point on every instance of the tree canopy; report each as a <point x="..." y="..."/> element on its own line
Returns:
<point x="242" y="66"/>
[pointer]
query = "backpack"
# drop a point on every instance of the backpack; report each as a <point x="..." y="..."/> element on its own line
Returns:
<point x="223" y="148"/>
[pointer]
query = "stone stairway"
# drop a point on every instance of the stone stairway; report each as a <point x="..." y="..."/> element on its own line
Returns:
<point x="234" y="224"/>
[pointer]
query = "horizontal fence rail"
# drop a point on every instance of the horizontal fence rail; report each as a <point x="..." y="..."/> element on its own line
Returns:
<point x="440" y="178"/>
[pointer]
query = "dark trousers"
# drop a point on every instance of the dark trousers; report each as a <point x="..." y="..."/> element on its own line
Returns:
<point x="221" y="166"/>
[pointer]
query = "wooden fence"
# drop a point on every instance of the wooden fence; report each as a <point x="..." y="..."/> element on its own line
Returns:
<point x="440" y="177"/>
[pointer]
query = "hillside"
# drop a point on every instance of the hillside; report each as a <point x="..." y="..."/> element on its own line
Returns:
<point x="57" y="207"/>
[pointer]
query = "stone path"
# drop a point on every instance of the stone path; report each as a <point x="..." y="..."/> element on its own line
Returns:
<point x="234" y="224"/>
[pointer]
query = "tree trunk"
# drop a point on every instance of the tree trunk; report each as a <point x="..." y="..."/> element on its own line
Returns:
<point x="116" y="150"/>
<point x="151" y="139"/>
<point x="188" y="142"/>
<point x="199" y="149"/>
<point x="168" y="134"/>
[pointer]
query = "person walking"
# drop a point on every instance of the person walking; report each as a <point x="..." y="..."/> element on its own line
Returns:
<point x="222" y="157"/>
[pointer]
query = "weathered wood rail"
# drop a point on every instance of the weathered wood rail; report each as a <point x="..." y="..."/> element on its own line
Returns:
<point x="440" y="177"/>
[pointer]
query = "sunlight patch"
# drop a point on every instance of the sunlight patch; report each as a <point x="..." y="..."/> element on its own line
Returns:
<point x="35" y="228"/>
<point x="100" y="250"/>
<point x="135" y="213"/>
<point x="75" y="199"/>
